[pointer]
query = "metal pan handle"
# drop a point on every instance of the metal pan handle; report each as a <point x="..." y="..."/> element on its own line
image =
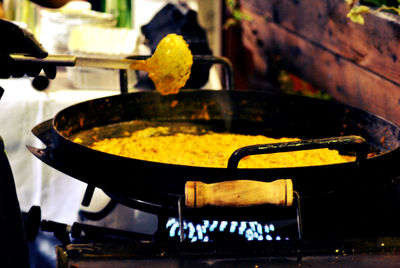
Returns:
<point x="351" y="143"/>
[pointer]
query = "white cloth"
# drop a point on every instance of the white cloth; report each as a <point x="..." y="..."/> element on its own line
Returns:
<point x="21" y="109"/>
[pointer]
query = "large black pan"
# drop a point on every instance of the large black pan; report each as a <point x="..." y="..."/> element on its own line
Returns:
<point x="223" y="111"/>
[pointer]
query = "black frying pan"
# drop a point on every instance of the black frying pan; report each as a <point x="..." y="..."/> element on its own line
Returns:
<point x="160" y="184"/>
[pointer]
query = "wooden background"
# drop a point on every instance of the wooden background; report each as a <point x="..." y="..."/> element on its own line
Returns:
<point x="356" y="64"/>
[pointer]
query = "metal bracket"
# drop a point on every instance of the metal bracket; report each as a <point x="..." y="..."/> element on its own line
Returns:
<point x="180" y="218"/>
<point x="88" y="195"/>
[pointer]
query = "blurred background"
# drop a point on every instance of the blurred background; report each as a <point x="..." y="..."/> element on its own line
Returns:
<point x="106" y="29"/>
<point x="110" y="29"/>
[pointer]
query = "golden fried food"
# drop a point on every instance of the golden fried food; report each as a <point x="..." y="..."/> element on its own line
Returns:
<point x="210" y="149"/>
<point x="170" y="66"/>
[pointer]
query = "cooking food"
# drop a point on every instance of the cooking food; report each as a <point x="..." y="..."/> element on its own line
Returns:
<point x="209" y="149"/>
<point x="170" y="66"/>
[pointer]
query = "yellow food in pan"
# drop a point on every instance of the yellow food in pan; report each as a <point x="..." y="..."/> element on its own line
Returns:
<point x="210" y="149"/>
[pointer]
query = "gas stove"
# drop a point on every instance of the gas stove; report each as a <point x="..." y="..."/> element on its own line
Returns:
<point x="194" y="242"/>
<point x="301" y="234"/>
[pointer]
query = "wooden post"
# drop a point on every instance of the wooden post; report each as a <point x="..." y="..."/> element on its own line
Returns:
<point x="357" y="64"/>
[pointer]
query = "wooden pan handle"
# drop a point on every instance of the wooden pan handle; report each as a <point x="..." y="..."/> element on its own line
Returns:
<point x="239" y="193"/>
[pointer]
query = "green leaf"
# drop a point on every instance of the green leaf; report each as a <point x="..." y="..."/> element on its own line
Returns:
<point x="240" y="15"/>
<point x="355" y="14"/>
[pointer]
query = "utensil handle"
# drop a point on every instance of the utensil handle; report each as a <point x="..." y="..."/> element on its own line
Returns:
<point x="58" y="60"/>
<point x="239" y="193"/>
<point x="71" y="61"/>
